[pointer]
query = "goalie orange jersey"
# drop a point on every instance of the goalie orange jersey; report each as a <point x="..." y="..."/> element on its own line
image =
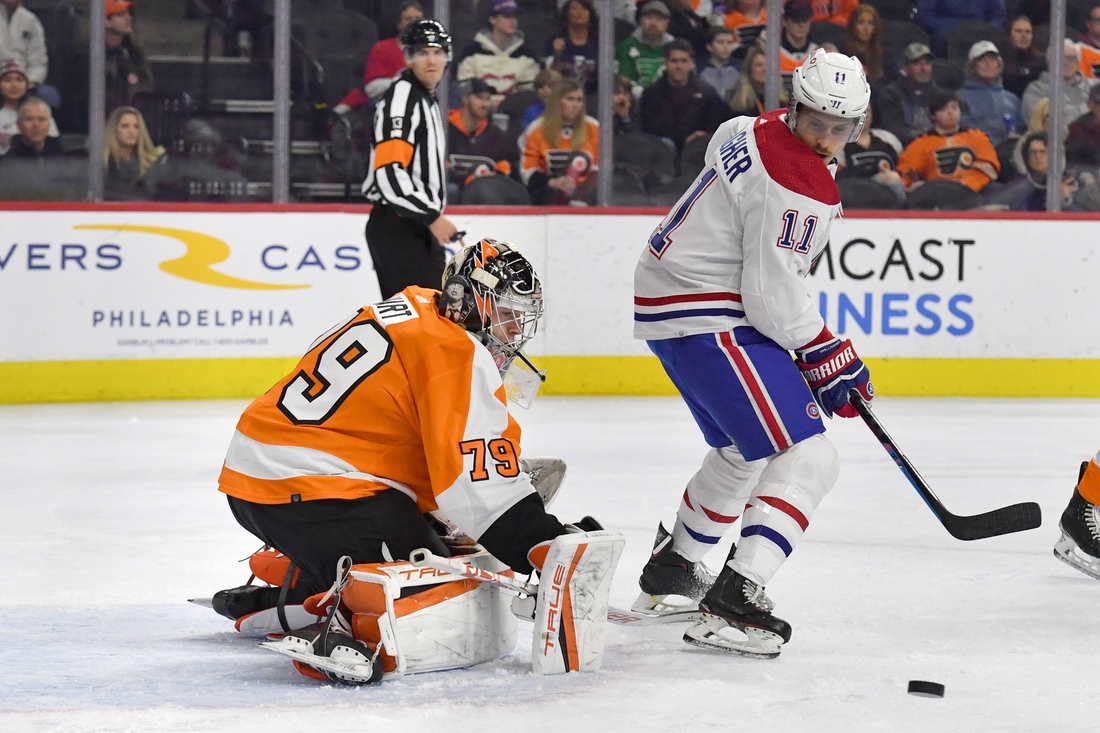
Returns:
<point x="397" y="397"/>
<point x="932" y="156"/>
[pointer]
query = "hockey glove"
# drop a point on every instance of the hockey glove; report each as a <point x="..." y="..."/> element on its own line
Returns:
<point x="831" y="367"/>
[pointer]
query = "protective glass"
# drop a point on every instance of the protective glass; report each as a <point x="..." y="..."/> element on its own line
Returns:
<point x="828" y="132"/>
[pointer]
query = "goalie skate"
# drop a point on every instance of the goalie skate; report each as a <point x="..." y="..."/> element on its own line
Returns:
<point x="345" y="660"/>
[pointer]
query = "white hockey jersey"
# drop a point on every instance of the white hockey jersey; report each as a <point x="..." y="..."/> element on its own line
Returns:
<point x="736" y="248"/>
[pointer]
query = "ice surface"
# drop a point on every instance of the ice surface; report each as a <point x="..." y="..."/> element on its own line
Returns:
<point x="110" y="519"/>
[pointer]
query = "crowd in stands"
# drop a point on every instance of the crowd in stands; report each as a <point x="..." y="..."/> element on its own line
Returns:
<point x="960" y="97"/>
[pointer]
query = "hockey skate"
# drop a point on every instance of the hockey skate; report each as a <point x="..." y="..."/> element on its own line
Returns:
<point x="671" y="585"/>
<point x="737" y="619"/>
<point x="329" y="654"/>
<point x="1079" y="545"/>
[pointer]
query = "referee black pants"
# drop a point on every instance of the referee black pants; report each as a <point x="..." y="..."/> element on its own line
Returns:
<point x="316" y="534"/>
<point x="405" y="252"/>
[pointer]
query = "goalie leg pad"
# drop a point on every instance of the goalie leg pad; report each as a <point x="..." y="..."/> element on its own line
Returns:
<point x="571" y="609"/>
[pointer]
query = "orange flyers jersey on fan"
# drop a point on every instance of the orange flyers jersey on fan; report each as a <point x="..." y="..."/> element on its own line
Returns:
<point x="933" y="156"/>
<point x="555" y="160"/>
<point x="398" y="398"/>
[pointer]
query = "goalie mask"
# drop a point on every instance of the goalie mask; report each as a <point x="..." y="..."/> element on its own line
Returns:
<point x="835" y="87"/>
<point x="492" y="291"/>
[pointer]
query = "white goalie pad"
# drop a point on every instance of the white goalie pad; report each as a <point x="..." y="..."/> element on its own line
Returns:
<point x="456" y="623"/>
<point x="571" y="611"/>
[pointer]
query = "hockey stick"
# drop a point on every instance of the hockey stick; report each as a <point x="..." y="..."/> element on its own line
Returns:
<point x="1015" y="518"/>
<point x="425" y="558"/>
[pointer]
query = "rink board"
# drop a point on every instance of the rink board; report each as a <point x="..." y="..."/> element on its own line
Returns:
<point x="184" y="302"/>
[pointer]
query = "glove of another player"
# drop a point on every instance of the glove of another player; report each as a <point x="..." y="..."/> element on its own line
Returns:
<point x="831" y="367"/>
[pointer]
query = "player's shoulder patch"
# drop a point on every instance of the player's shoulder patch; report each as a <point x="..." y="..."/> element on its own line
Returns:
<point x="792" y="164"/>
<point x="397" y="309"/>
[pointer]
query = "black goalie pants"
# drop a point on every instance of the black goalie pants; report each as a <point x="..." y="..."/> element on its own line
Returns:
<point x="316" y="534"/>
<point x="404" y="251"/>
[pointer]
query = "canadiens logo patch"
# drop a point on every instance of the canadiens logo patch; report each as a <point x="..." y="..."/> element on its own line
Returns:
<point x="812" y="411"/>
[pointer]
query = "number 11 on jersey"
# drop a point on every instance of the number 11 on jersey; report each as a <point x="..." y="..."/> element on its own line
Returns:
<point x="790" y="224"/>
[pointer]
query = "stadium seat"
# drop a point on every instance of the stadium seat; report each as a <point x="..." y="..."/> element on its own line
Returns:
<point x="822" y="32"/>
<point x="897" y="34"/>
<point x="669" y="193"/>
<point x="863" y="193"/>
<point x="653" y="160"/>
<point x="627" y="188"/>
<point x="894" y="9"/>
<point x="966" y="35"/>
<point x="1004" y="151"/>
<point x="947" y="75"/>
<point x="942" y="195"/>
<point x="166" y="115"/>
<point x="495" y="191"/>
<point x="692" y="158"/>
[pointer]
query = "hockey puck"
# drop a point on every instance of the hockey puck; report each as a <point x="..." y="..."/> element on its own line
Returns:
<point x="925" y="689"/>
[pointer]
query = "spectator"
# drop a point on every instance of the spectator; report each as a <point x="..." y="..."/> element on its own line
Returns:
<point x="641" y="57"/>
<point x="746" y="99"/>
<point x="1091" y="36"/>
<point x="1023" y="61"/>
<point x="475" y="147"/>
<point x="989" y="106"/>
<point x="385" y="61"/>
<point x="13" y="90"/>
<point x="746" y="18"/>
<point x="873" y="155"/>
<point x="128" y="70"/>
<point x="940" y="17"/>
<point x="1083" y="142"/>
<point x="575" y="51"/>
<point x="719" y="69"/>
<point x="903" y="104"/>
<point x="498" y="55"/>
<point x="33" y="140"/>
<point x="1075" y="88"/>
<point x="1040" y="118"/>
<point x="129" y="154"/>
<point x="561" y="151"/>
<point x="624" y="114"/>
<point x="863" y="39"/>
<point x="22" y="37"/>
<point x="837" y="12"/>
<point x="1028" y="192"/>
<point x="545" y="81"/>
<point x="622" y="9"/>
<point x="795" y="45"/>
<point x="949" y="151"/>
<point x="1037" y="11"/>
<point x="685" y="23"/>
<point x="678" y="107"/>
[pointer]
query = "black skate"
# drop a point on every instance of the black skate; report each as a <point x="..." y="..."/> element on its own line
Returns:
<point x="333" y="655"/>
<point x="737" y="618"/>
<point x="1079" y="545"/>
<point x="671" y="584"/>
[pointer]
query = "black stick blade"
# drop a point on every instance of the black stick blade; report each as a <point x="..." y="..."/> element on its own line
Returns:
<point x="1009" y="519"/>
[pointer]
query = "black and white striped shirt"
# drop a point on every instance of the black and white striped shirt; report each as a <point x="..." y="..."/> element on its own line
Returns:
<point x="407" y="168"/>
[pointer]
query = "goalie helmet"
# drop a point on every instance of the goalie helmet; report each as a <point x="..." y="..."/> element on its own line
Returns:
<point x="492" y="291"/>
<point x="834" y="84"/>
<point x="425" y="33"/>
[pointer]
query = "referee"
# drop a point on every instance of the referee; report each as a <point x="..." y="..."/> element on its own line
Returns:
<point x="406" y="178"/>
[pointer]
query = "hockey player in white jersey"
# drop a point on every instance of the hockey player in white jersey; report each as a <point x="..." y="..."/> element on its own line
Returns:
<point x="721" y="299"/>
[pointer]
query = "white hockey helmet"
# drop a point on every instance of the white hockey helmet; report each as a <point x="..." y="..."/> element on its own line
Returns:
<point x="834" y="84"/>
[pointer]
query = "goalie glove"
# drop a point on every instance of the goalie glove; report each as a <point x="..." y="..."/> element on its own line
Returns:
<point x="831" y="367"/>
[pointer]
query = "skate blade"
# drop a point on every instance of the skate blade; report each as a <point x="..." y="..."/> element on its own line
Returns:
<point x="204" y="602"/>
<point x="1066" y="550"/>
<point x="355" y="672"/>
<point x="718" y="634"/>
<point x="650" y="609"/>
